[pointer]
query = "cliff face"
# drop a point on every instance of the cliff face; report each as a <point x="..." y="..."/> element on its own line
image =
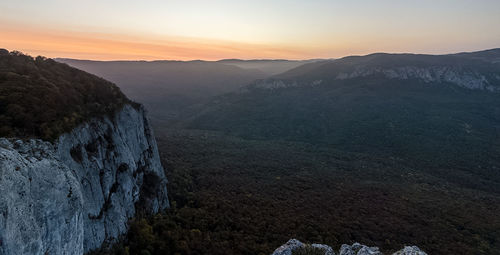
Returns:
<point x="470" y="79"/>
<point x="71" y="196"/>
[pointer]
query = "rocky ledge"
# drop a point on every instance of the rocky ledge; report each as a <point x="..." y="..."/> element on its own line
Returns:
<point x="345" y="249"/>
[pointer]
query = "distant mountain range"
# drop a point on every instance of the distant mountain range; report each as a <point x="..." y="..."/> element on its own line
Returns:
<point x="167" y="87"/>
<point x="470" y="70"/>
<point x="492" y="55"/>
<point x="268" y="66"/>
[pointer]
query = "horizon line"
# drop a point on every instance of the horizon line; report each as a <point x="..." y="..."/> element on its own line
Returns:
<point x="256" y="59"/>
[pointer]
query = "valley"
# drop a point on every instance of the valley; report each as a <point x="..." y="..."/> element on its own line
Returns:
<point x="388" y="150"/>
<point x="226" y="189"/>
<point x="378" y="158"/>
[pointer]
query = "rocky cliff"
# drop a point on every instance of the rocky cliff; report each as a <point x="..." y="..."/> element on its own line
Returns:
<point x="72" y="195"/>
<point x="355" y="249"/>
<point x="474" y="73"/>
<point x="470" y="79"/>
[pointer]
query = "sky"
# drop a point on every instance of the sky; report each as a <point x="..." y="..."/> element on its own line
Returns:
<point x="257" y="29"/>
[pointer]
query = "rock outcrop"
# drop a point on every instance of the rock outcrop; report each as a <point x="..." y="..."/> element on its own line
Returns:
<point x="328" y="250"/>
<point x="345" y="249"/>
<point x="71" y="196"/>
<point x="410" y="250"/>
<point x="288" y="248"/>
<point x="293" y="244"/>
<point x="437" y="74"/>
<point x="358" y="249"/>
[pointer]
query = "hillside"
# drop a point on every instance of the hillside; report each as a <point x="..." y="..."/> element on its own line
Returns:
<point x="472" y="70"/>
<point x="440" y="110"/>
<point x="268" y="66"/>
<point x="492" y="55"/>
<point x="40" y="97"/>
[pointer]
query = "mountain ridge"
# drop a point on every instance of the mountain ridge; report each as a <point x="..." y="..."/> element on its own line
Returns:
<point x="454" y="68"/>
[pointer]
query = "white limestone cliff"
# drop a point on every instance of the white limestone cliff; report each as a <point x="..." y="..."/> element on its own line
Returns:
<point x="70" y="196"/>
<point x="435" y="74"/>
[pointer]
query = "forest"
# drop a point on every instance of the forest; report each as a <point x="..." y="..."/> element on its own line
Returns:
<point x="42" y="98"/>
<point x="237" y="196"/>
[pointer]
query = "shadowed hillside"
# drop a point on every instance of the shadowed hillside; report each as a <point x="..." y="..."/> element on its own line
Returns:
<point x="435" y="109"/>
<point x="168" y="87"/>
<point x="270" y="67"/>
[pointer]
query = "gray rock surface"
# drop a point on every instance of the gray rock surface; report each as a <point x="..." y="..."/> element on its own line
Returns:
<point x="358" y="249"/>
<point x="438" y="74"/>
<point x="435" y="75"/>
<point x="293" y="244"/>
<point x="71" y="196"/>
<point x="288" y="248"/>
<point x="328" y="250"/>
<point x="410" y="250"/>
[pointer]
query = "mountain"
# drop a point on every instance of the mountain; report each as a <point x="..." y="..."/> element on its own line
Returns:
<point x="469" y="70"/>
<point x="78" y="159"/>
<point x="167" y="87"/>
<point x="268" y="66"/>
<point x="437" y="110"/>
<point x="492" y="55"/>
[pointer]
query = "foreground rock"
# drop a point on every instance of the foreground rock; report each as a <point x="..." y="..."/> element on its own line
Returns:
<point x="354" y="249"/>
<point x="410" y="250"/>
<point x="293" y="244"/>
<point x="288" y="248"/>
<point x="70" y="196"/>
<point x="328" y="250"/>
<point x="358" y="249"/>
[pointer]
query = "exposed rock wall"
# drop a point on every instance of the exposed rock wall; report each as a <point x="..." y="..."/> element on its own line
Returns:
<point x="71" y="196"/>
<point x="461" y="77"/>
<point x="438" y="74"/>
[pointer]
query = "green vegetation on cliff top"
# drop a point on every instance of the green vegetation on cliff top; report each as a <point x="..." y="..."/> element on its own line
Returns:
<point x="42" y="98"/>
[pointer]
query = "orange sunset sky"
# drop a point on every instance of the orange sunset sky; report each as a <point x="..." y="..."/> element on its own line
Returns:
<point x="211" y="30"/>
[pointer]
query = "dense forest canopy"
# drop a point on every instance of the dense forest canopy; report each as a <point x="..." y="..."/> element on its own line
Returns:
<point x="237" y="196"/>
<point x="42" y="98"/>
